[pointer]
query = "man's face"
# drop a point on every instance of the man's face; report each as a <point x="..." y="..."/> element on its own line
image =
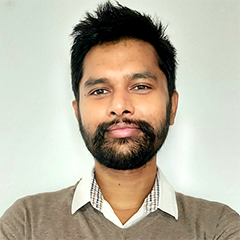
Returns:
<point x="124" y="110"/>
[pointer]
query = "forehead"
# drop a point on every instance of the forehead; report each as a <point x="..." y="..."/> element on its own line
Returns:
<point x="124" y="43"/>
<point x="132" y="50"/>
<point x="118" y="59"/>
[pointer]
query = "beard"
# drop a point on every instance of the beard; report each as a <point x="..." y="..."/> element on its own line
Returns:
<point x="126" y="153"/>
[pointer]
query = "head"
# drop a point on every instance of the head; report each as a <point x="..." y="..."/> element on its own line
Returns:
<point x="123" y="79"/>
<point x="116" y="23"/>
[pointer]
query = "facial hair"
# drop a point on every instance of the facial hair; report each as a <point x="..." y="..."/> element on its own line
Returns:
<point x="126" y="153"/>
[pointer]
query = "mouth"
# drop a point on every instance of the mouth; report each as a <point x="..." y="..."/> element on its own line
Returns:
<point x="123" y="130"/>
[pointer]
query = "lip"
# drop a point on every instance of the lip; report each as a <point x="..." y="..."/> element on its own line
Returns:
<point x="122" y="126"/>
<point x="123" y="130"/>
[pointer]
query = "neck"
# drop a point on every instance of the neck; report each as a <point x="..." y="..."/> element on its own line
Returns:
<point x="125" y="190"/>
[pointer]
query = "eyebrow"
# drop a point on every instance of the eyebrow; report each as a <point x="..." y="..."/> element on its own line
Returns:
<point x="144" y="75"/>
<point x="92" y="81"/>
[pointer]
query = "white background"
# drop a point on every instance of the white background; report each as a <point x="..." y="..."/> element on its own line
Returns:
<point x="41" y="149"/>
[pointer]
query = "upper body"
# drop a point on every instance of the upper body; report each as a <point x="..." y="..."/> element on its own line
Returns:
<point x="123" y="78"/>
<point x="72" y="214"/>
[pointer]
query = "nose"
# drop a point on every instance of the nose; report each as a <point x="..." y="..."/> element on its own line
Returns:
<point x="120" y="105"/>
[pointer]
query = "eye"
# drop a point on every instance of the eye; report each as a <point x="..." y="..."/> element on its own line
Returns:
<point x="99" y="92"/>
<point x="141" y="87"/>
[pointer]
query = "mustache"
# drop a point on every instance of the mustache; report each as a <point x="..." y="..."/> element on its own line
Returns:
<point x="144" y="126"/>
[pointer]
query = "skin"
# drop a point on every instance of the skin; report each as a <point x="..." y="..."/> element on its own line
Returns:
<point x="123" y="80"/>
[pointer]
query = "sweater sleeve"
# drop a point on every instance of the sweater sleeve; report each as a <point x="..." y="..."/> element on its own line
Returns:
<point x="12" y="223"/>
<point x="228" y="227"/>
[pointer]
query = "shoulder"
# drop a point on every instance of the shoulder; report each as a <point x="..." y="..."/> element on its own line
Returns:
<point x="37" y="206"/>
<point x="209" y="215"/>
<point x="194" y="204"/>
<point x="46" y="200"/>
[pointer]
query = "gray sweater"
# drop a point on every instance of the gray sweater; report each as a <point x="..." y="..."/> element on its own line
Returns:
<point x="48" y="216"/>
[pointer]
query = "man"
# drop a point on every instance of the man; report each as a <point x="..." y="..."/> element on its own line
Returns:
<point x="123" y="78"/>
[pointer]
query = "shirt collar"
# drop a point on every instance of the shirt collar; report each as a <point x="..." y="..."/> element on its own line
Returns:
<point x="82" y="193"/>
<point x="167" y="199"/>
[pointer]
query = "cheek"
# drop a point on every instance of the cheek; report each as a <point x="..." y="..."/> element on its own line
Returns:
<point x="157" y="117"/>
<point x="85" y="114"/>
<point x="91" y="116"/>
<point x="153" y="111"/>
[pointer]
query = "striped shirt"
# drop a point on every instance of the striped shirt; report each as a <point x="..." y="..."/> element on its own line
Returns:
<point x="150" y="203"/>
<point x="162" y="196"/>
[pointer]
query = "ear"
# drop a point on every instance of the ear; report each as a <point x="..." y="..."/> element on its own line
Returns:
<point x="174" y="107"/>
<point x="75" y="107"/>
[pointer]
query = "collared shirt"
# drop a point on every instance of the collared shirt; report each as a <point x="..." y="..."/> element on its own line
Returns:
<point x="162" y="196"/>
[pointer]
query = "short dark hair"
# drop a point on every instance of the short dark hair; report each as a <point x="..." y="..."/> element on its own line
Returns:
<point x="115" y="23"/>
